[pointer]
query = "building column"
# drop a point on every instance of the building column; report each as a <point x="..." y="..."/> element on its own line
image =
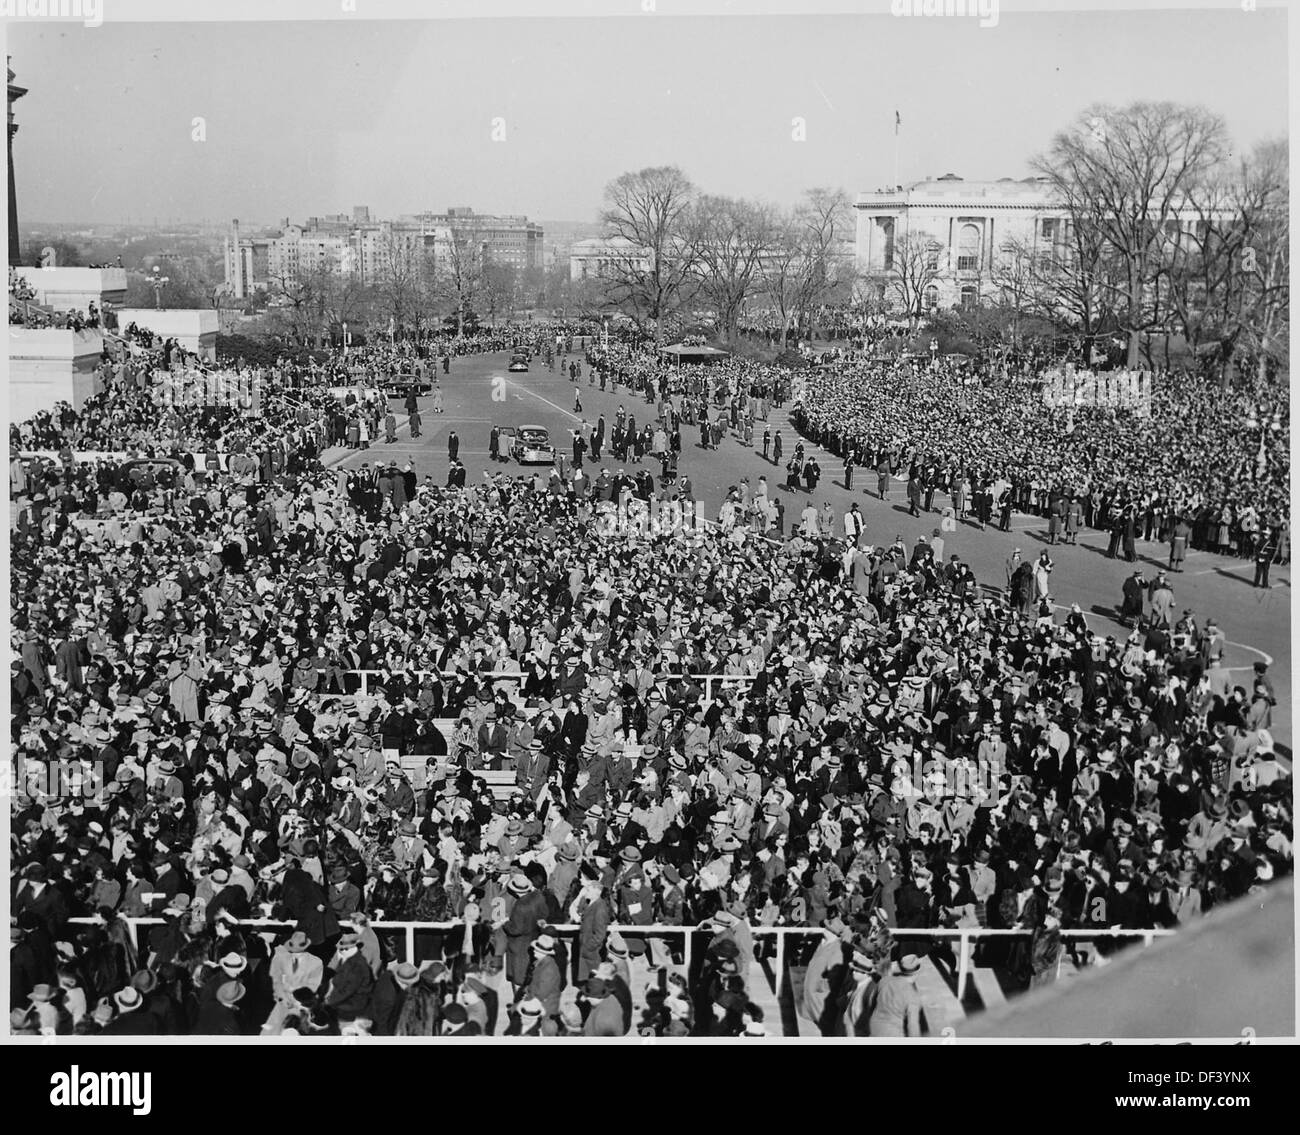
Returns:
<point x="15" y="92"/>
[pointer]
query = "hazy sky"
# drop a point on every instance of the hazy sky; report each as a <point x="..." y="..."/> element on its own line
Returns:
<point x="306" y="118"/>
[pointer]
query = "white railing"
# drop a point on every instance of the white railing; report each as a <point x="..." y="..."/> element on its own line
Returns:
<point x="965" y="936"/>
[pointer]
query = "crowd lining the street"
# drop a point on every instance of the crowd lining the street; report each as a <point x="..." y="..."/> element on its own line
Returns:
<point x="901" y="748"/>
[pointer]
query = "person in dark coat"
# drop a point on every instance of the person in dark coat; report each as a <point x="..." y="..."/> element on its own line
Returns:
<point x="132" y="1019"/>
<point x="220" y="1015"/>
<point x="521" y="927"/>
<point x="26" y="969"/>
<point x="351" y="987"/>
<point x="303" y="900"/>
<point x="1134" y="591"/>
<point x="389" y="996"/>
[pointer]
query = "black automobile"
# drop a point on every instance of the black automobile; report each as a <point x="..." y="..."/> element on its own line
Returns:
<point x="402" y="384"/>
<point x="518" y="363"/>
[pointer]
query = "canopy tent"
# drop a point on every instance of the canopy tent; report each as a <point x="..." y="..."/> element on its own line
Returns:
<point x="684" y="354"/>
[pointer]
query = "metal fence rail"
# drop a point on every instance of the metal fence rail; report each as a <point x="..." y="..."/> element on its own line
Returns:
<point x="965" y="936"/>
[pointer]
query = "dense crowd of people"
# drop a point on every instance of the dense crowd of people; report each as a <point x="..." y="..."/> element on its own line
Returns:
<point x="1207" y="466"/>
<point x="26" y="311"/>
<point x="894" y="749"/>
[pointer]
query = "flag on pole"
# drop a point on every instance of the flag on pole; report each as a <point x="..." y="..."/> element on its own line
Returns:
<point x="898" y="121"/>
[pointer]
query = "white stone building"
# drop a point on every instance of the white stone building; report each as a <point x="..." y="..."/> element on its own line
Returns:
<point x="600" y="257"/>
<point x="971" y="228"/>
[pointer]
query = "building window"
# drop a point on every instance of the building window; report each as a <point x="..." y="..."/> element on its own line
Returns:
<point x="1050" y="227"/>
<point x="968" y="296"/>
<point x="969" y="241"/>
<point x="931" y="298"/>
<point x="886" y="226"/>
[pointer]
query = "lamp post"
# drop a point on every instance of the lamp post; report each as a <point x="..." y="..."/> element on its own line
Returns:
<point x="157" y="282"/>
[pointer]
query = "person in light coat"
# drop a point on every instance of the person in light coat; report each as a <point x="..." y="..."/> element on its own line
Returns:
<point x="825" y="976"/>
<point x="294" y="967"/>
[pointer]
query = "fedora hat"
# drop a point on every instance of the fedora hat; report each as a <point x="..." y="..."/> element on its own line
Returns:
<point x="298" y="942"/>
<point x="532" y="1009"/>
<point x="861" y="962"/>
<point x="231" y="993"/>
<point x="128" y="998"/>
<point x="909" y="964"/>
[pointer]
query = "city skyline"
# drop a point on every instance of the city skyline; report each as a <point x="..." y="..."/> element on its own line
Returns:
<point x="366" y="134"/>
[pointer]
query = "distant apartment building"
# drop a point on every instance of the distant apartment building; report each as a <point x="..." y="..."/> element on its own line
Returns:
<point x="359" y="247"/>
<point x="511" y="240"/>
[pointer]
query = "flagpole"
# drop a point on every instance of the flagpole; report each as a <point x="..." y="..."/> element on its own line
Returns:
<point x="897" y="123"/>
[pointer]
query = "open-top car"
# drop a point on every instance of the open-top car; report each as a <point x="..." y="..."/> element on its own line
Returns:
<point x="532" y="446"/>
<point x="518" y="362"/>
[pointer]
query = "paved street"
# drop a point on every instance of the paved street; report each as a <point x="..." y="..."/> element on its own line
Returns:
<point x="1257" y="623"/>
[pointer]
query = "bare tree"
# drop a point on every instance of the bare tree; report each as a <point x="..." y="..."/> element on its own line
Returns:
<point x="297" y="304"/>
<point x="344" y="298"/>
<point x="1080" y="281"/>
<point x="823" y="222"/>
<point x="1022" y="284"/>
<point x="784" y="268"/>
<point x="730" y="237"/>
<point x="1224" y="272"/>
<point x="461" y="279"/>
<point x="498" y="288"/>
<point x="916" y="268"/>
<point x="1266" y="261"/>
<point x="647" y="208"/>
<point x="1125" y="172"/>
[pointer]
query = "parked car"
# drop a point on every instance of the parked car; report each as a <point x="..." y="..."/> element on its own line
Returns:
<point x="532" y="446"/>
<point x="518" y="362"/>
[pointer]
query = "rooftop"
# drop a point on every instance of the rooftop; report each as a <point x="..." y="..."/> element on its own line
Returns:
<point x="950" y="187"/>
